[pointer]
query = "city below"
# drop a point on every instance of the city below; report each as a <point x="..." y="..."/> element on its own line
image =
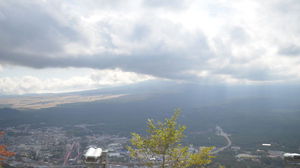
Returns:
<point x="62" y="147"/>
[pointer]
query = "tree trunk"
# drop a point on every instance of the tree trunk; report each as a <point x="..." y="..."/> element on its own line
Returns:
<point x="163" y="161"/>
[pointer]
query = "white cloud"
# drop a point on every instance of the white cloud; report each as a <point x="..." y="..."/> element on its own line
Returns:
<point x="226" y="41"/>
<point x="96" y="79"/>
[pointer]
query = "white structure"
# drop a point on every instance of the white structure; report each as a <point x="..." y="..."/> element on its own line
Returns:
<point x="292" y="158"/>
<point x="95" y="157"/>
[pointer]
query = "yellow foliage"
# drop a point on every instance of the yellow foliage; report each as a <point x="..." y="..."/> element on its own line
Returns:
<point x="164" y="141"/>
<point x="4" y="152"/>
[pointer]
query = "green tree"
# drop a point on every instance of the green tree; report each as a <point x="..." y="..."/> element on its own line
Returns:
<point x="164" y="141"/>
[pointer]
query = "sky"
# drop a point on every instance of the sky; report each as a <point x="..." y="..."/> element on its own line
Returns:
<point x="51" y="46"/>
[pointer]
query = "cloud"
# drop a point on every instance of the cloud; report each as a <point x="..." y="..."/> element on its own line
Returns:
<point x="229" y="40"/>
<point x="95" y="79"/>
<point x="292" y="50"/>
<point x="166" y="4"/>
<point x="31" y="28"/>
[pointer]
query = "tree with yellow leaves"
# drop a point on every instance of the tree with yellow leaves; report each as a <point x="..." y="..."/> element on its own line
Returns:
<point x="164" y="141"/>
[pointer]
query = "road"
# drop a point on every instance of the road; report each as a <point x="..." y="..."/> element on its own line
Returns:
<point x="220" y="132"/>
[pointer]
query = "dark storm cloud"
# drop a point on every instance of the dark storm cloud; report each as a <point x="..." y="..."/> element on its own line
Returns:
<point x="32" y="37"/>
<point x="141" y="38"/>
<point x="28" y="26"/>
<point x="157" y="60"/>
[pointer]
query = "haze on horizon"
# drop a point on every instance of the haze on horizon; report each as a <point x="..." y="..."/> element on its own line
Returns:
<point x="51" y="46"/>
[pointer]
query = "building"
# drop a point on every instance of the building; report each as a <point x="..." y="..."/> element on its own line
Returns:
<point x="292" y="158"/>
<point x="95" y="158"/>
